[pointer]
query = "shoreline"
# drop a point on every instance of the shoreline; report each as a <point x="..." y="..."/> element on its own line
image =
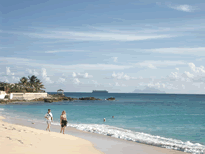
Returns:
<point x="23" y="139"/>
<point x="103" y="143"/>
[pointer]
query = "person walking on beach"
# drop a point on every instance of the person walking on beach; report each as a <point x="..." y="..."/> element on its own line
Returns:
<point x="49" y="118"/>
<point x="63" y="121"/>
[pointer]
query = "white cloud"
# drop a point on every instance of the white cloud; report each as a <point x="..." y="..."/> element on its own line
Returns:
<point x="149" y="64"/>
<point x="187" y="74"/>
<point x="45" y="77"/>
<point x="16" y="79"/>
<point x="74" y="74"/>
<point x="76" y="81"/>
<point x="193" y="51"/>
<point x="155" y="64"/>
<point x="32" y="72"/>
<point x="56" y="51"/>
<point x="95" y="82"/>
<point x="8" y="71"/>
<point x="185" y="8"/>
<point x="110" y="84"/>
<point x="115" y="59"/>
<point x="61" y="80"/>
<point x="117" y="84"/>
<point x="196" y="69"/>
<point x="95" y="36"/>
<point x="121" y="76"/>
<point x="156" y="85"/>
<point x="30" y="62"/>
<point x="78" y="75"/>
<point x="177" y="69"/>
<point x="174" y="74"/>
<point x="144" y="64"/>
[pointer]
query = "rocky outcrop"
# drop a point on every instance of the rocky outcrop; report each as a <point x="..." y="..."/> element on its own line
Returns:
<point x="57" y="98"/>
<point x="110" y="99"/>
<point x="48" y="100"/>
<point x="70" y="98"/>
<point x="89" y="98"/>
<point x="3" y="101"/>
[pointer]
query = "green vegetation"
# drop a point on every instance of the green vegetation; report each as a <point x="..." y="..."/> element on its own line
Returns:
<point x="30" y="84"/>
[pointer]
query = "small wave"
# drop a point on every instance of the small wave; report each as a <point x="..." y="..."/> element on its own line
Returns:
<point x="140" y="137"/>
<point x="1" y="109"/>
<point x="56" y="123"/>
<point x="155" y="115"/>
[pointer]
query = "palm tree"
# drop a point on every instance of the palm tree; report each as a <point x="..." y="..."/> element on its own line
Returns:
<point x="7" y="87"/>
<point x="39" y="85"/>
<point x="32" y="80"/>
<point x="24" y="81"/>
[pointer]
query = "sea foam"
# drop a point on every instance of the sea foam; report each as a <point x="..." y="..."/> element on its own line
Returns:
<point x="140" y="137"/>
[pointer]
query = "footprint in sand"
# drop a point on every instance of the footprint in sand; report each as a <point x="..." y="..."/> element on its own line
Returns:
<point x="20" y="141"/>
<point x="9" y="138"/>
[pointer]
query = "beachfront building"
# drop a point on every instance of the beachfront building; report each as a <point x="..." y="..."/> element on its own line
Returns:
<point x="60" y="91"/>
<point x="2" y="94"/>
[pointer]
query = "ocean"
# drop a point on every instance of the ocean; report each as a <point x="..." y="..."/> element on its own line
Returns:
<point x="174" y="121"/>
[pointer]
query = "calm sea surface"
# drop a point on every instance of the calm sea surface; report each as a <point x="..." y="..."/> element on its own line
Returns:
<point x="166" y="120"/>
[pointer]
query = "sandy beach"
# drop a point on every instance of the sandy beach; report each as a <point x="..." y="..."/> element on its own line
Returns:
<point x="16" y="139"/>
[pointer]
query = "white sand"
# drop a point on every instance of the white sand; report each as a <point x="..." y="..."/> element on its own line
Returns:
<point x="16" y="139"/>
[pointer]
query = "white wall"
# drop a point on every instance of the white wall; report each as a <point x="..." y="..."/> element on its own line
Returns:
<point x="2" y="94"/>
<point x="28" y="96"/>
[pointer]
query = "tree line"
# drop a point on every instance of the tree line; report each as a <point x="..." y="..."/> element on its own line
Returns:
<point x="30" y="84"/>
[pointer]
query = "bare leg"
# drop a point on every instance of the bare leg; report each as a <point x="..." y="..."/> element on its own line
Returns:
<point x="49" y="127"/>
<point x="61" y="129"/>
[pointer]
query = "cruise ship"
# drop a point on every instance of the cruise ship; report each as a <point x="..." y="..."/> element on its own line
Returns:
<point x="100" y="91"/>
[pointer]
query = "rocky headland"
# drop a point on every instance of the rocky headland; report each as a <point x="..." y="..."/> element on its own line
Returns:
<point x="51" y="98"/>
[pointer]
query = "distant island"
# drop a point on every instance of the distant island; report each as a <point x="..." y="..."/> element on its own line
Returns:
<point x="100" y="91"/>
<point x="148" y="90"/>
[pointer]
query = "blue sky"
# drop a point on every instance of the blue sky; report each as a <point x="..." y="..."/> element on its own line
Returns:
<point x="117" y="45"/>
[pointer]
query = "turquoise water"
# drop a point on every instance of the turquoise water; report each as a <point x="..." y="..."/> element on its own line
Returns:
<point x="166" y="120"/>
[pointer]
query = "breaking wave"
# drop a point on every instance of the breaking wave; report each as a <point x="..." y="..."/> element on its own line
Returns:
<point x="141" y="137"/>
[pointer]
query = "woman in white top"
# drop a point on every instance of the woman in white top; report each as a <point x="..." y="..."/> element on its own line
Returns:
<point x="63" y="121"/>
